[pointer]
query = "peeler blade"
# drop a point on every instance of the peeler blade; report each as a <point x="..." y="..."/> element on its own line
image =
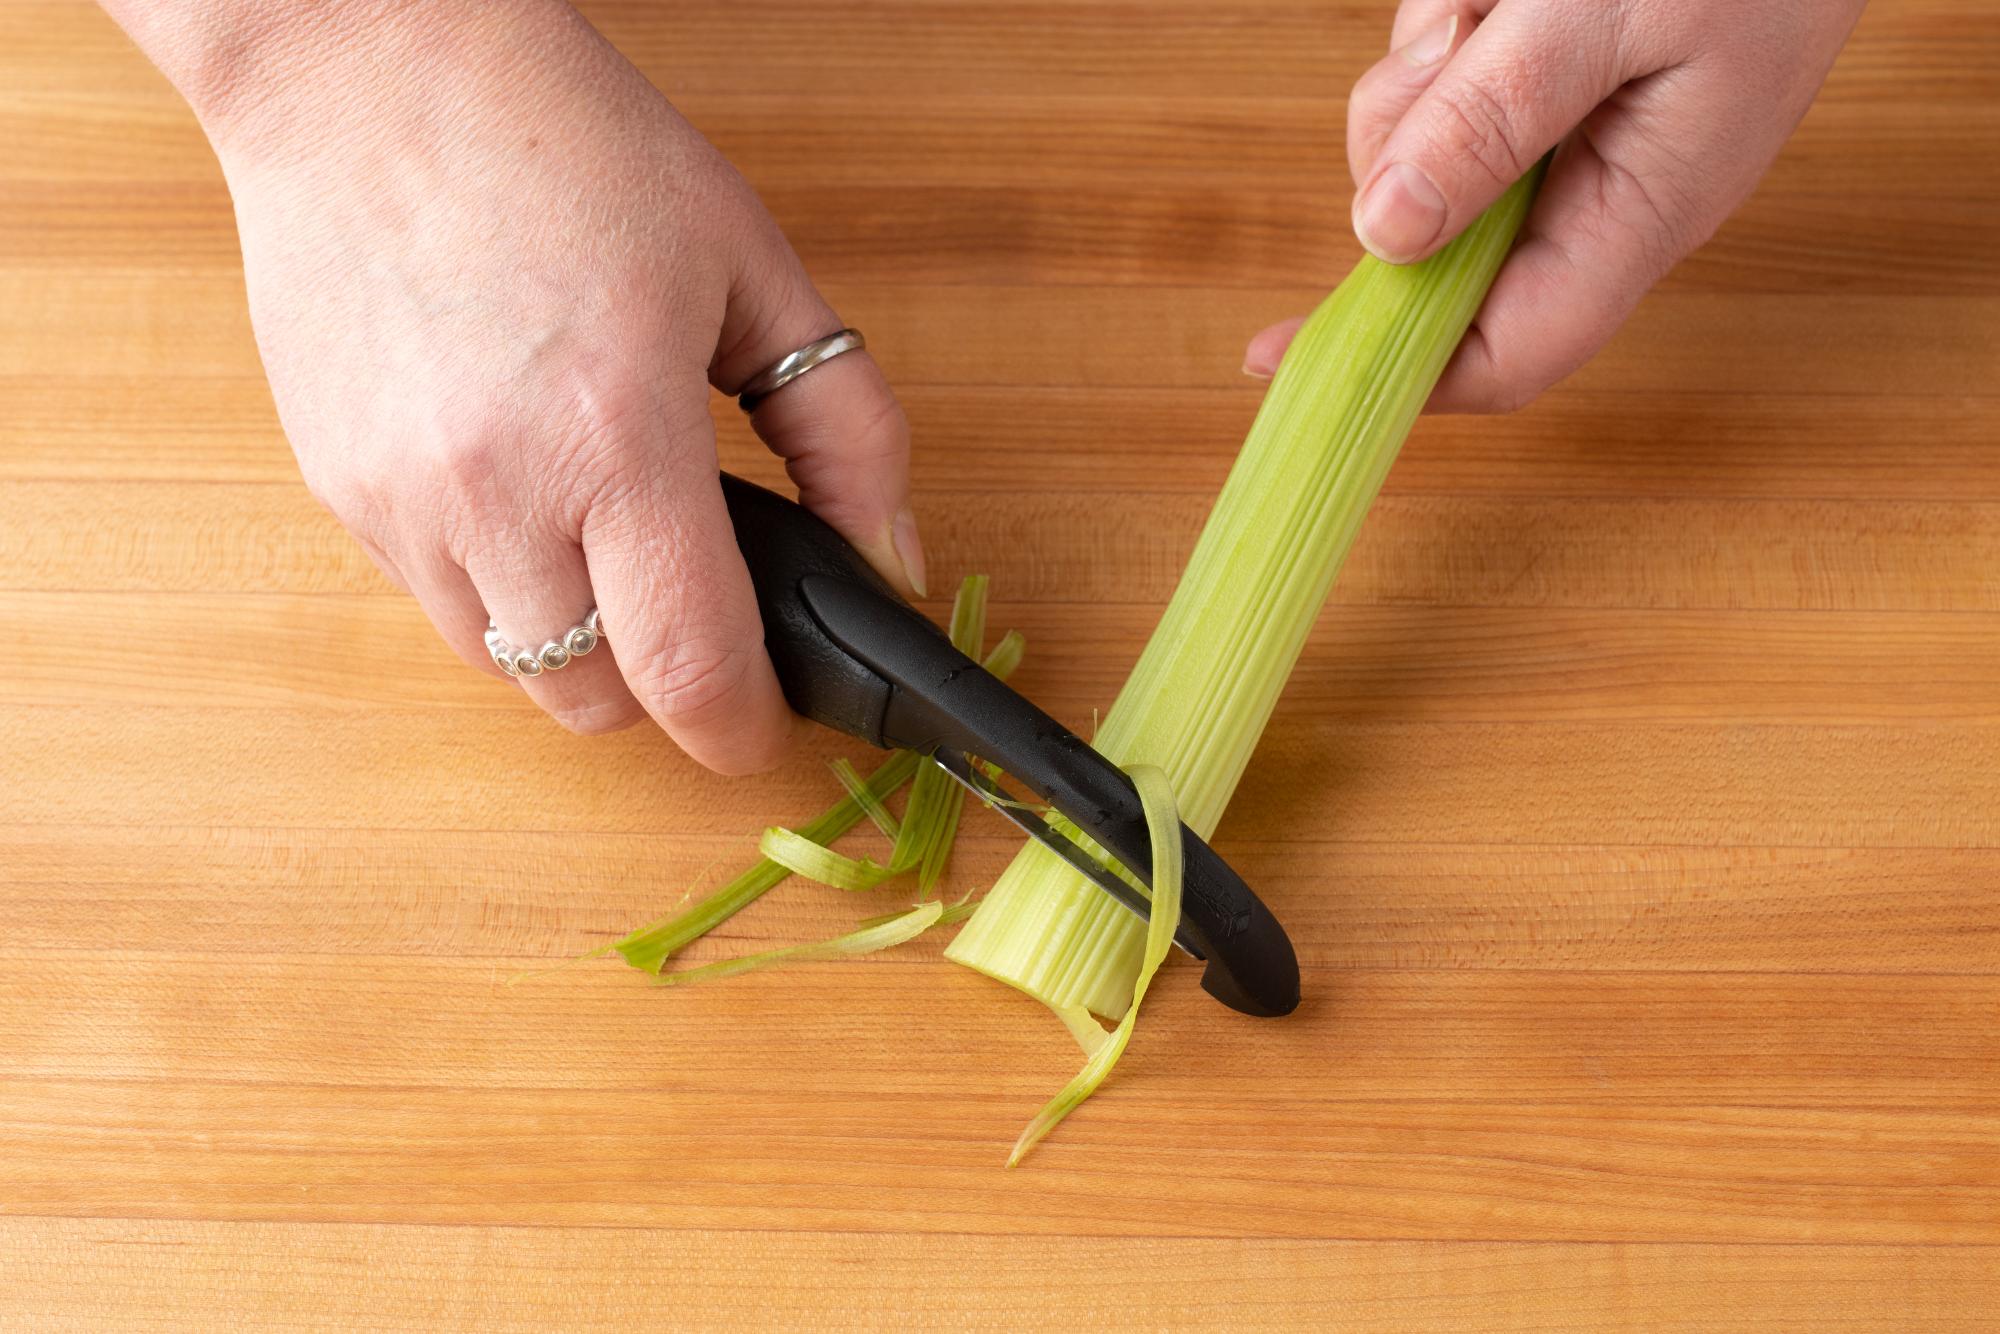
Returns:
<point x="960" y="766"/>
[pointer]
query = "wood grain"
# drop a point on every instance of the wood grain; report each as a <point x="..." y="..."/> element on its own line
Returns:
<point x="1129" y="546"/>
<point x="303" y="1277"/>
<point x="1059" y="441"/>
<point x="508" y="895"/>
<point x="1635" y="807"/>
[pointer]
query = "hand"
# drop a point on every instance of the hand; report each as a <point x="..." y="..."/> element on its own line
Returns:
<point x="493" y="276"/>
<point x="1672" y="110"/>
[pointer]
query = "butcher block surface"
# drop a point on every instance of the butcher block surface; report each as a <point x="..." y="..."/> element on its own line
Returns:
<point x="1635" y="807"/>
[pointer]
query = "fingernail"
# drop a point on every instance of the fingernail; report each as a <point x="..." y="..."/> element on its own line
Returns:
<point x="1258" y="371"/>
<point x="1399" y="215"/>
<point x="903" y="534"/>
<point x="1428" y="47"/>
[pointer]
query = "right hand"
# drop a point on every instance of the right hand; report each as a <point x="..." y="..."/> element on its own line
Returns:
<point x="493" y="276"/>
<point x="1668" y="112"/>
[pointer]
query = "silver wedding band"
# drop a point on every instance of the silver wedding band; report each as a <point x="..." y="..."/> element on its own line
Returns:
<point x="553" y="656"/>
<point x="791" y="366"/>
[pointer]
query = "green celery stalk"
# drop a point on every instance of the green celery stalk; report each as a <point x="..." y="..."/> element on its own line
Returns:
<point x="1337" y="411"/>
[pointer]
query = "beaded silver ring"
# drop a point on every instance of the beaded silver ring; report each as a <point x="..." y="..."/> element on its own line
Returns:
<point x="553" y="656"/>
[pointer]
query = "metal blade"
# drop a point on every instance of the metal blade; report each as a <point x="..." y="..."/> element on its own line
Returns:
<point x="959" y="765"/>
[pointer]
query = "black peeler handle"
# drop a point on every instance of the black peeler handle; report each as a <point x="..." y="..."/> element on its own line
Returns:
<point x="851" y="654"/>
<point x="786" y="546"/>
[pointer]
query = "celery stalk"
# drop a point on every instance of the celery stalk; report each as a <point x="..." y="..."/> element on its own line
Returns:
<point x="1339" y="408"/>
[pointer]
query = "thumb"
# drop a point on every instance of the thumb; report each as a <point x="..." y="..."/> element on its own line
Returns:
<point x="839" y="429"/>
<point x="1523" y="79"/>
<point x="1393" y="84"/>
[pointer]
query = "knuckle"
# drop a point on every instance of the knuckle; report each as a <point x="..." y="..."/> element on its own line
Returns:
<point x="1501" y="394"/>
<point x="1502" y="384"/>
<point x="606" y="412"/>
<point x="596" y="717"/>
<point x="883" y="432"/>
<point x="1647" y="214"/>
<point x="695" y="682"/>
<point x="602" y="463"/>
<point x="873" y="443"/>
<point x="354" y="500"/>
<point x="1519" y="384"/>
<point x="468" y="464"/>
<point x="335" y="487"/>
<point x="613" y="439"/>
<point x="1478" y="124"/>
<point x="1513" y="395"/>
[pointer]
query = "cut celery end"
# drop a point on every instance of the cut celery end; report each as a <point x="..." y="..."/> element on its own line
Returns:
<point x="1063" y="940"/>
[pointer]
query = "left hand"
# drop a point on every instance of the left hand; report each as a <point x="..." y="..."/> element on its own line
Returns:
<point x="1669" y="111"/>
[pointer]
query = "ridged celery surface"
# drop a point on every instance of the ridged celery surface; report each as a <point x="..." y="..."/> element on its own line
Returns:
<point x="1337" y="411"/>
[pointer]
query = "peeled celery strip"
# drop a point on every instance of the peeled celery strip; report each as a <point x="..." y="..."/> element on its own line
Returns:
<point x="649" y="948"/>
<point x="1163" y="824"/>
<point x="930" y="821"/>
<point x="956" y="912"/>
<point x="899" y="928"/>
<point x="1083" y="1026"/>
<point x="815" y="861"/>
<point x="993" y="800"/>
<point x="968" y="615"/>
<point x="922" y="839"/>
<point x="1196" y="703"/>
<point x="857" y="788"/>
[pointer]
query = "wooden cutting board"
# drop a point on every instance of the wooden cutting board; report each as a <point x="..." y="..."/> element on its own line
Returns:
<point x="1636" y="808"/>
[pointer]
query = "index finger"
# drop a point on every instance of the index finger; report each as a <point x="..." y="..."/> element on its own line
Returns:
<point x="679" y="614"/>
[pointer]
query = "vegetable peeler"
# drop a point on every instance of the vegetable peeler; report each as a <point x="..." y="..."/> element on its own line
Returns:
<point x="852" y="655"/>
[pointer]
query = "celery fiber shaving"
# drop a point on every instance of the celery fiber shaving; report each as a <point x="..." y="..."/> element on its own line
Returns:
<point x="649" y="947"/>
<point x="857" y="788"/>
<point x="801" y="856"/>
<point x="930" y="821"/>
<point x="1083" y="1026"/>
<point x="956" y="912"/>
<point x="1163" y="826"/>
<point x="1342" y="402"/>
<point x="898" y="928"/>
